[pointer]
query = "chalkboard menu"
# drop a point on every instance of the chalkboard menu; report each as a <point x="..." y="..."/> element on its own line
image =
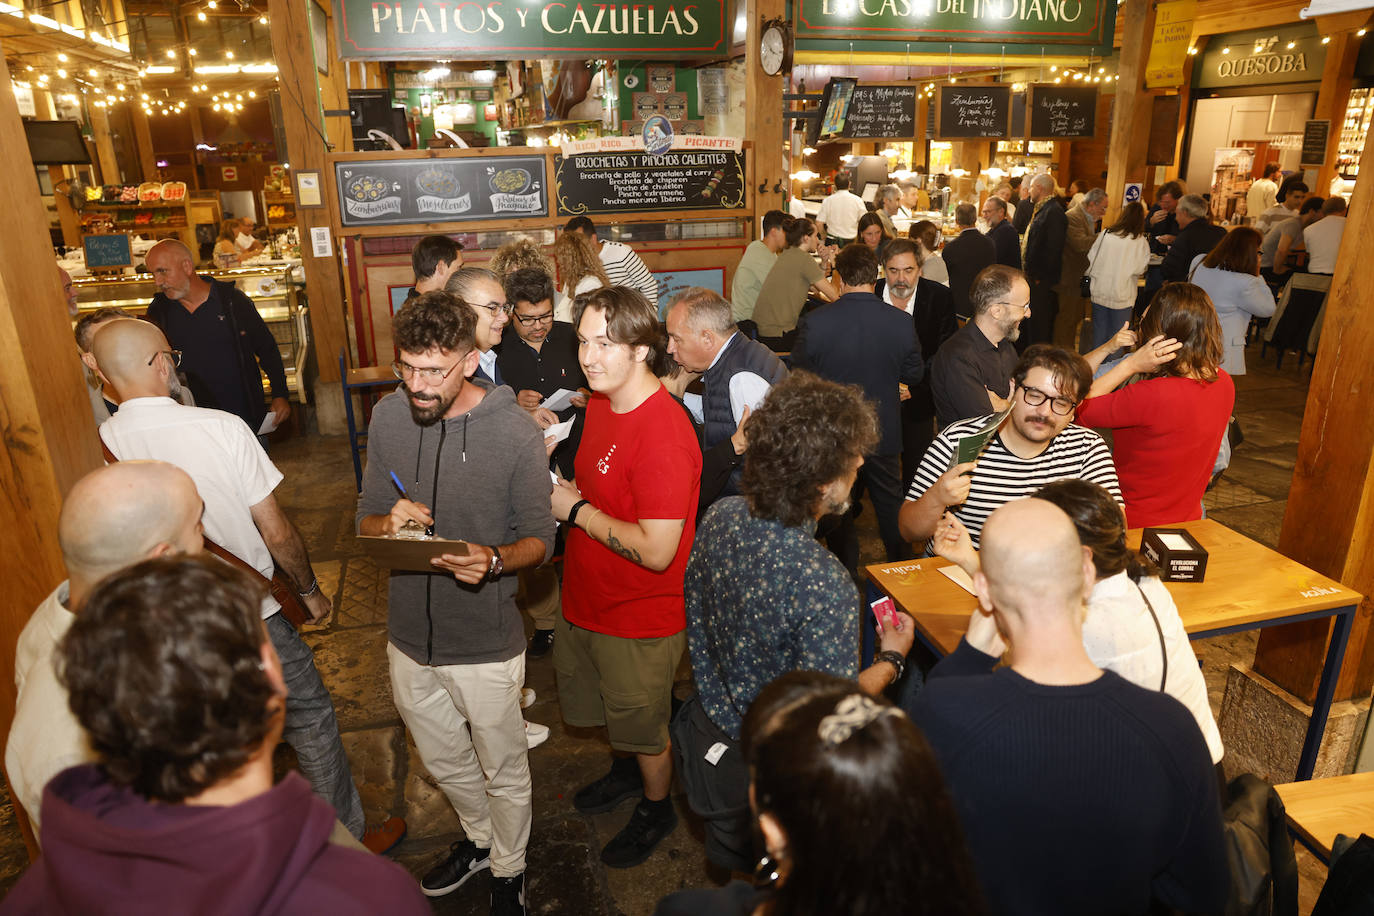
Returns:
<point x="973" y="111"/>
<point x="1315" y="135"/>
<point x="631" y="182"/>
<point x="107" y="252"/>
<point x="882" y="113"/>
<point x="1063" y="112"/>
<point x="385" y="192"/>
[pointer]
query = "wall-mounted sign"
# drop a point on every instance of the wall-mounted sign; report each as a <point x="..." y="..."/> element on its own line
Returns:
<point x="1262" y="57"/>
<point x="1075" y="22"/>
<point x="881" y="113"/>
<point x="973" y="111"/>
<point x="1169" y="46"/>
<point x="1315" y="137"/>
<point x="1063" y="112"/>
<point x="630" y="182"/>
<point x="439" y="190"/>
<point x="228" y="173"/>
<point x="443" y="30"/>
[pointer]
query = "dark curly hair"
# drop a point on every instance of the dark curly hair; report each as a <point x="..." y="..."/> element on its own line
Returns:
<point x="434" y="319"/>
<point x="1101" y="526"/>
<point x="806" y="434"/>
<point x="870" y="826"/>
<point x="1071" y="373"/>
<point x="529" y="284"/>
<point x="163" y="668"/>
<point x="630" y="319"/>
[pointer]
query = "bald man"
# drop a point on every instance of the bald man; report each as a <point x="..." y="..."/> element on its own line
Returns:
<point x="222" y="338"/>
<point x="236" y="479"/>
<point x="113" y="518"/>
<point x="1079" y="792"/>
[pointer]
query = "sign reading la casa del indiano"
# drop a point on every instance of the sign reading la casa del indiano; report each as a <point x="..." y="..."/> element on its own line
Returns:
<point x="505" y="29"/>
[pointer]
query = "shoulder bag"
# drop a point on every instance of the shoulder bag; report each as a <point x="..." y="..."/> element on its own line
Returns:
<point x="1164" y="653"/>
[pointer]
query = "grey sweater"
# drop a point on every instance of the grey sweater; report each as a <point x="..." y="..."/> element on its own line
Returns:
<point x="485" y="476"/>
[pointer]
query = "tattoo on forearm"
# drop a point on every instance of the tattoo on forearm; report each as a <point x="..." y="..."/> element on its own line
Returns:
<point x="628" y="553"/>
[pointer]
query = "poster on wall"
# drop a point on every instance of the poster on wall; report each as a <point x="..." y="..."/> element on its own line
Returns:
<point x="1231" y="171"/>
<point x="385" y="192"/>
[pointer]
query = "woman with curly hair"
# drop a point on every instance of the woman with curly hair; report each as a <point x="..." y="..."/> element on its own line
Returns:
<point x="1167" y="425"/>
<point x="579" y="271"/>
<point x="520" y="253"/>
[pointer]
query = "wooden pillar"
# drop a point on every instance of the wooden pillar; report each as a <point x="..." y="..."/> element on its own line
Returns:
<point x="1332" y="99"/>
<point x="918" y="156"/>
<point x="1131" y="109"/>
<point x="763" y="111"/>
<point x="49" y="439"/>
<point x="1329" y="521"/>
<point x="143" y="142"/>
<point x="104" y="145"/>
<point x="66" y="216"/>
<point x="305" y="143"/>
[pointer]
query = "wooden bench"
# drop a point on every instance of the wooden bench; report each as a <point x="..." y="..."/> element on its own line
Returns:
<point x="1318" y="809"/>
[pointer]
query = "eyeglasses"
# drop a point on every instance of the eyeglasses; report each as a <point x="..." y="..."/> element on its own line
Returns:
<point x="173" y="355"/>
<point x="1025" y="307"/>
<point x="496" y="307"/>
<point x="1034" y="397"/>
<point x="527" y="320"/>
<point x="429" y="375"/>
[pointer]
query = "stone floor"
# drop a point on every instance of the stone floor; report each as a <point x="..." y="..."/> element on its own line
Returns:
<point x="565" y="873"/>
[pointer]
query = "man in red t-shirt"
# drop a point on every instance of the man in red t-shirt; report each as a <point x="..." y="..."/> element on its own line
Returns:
<point x="630" y="521"/>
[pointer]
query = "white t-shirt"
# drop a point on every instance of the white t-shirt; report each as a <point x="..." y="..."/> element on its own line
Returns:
<point x="841" y="212"/>
<point x="231" y="471"/>
<point x="563" y="311"/>
<point x="1120" y="636"/>
<point x="1323" y="242"/>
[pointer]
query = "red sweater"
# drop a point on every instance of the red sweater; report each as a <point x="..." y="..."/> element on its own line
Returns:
<point x="1166" y="433"/>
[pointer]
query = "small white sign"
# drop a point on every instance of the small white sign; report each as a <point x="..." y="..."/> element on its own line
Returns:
<point x="1133" y="191"/>
<point x="320" y="245"/>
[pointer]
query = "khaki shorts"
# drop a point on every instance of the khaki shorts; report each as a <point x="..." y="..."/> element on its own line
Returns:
<point x="623" y="684"/>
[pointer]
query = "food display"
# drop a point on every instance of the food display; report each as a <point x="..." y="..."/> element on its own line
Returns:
<point x="150" y="192"/>
<point x="174" y="190"/>
<point x="510" y="181"/>
<point x="366" y="187"/>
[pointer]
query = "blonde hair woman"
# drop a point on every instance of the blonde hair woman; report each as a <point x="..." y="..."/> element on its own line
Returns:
<point x="227" y="253"/>
<point x="579" y="271"/>
<point x="519" y="253"/>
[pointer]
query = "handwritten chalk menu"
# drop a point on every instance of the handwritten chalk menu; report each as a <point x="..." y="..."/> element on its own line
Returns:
<point x="107" y="252"/>
<point x="973" y="112"/>
<point x="385" y="192"/>
<point x="1315" y="136"/>
<point x="881" y="113"/>
<point x="1063" y="112"/>
<point x="632" y="182"/>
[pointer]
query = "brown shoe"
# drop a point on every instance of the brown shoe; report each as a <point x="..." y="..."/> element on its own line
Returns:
<point x="383" y="837"/>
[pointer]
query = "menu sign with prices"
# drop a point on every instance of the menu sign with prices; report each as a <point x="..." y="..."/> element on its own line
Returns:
<point x="630" y="181"/>
<point x="881" y="113"/>
<point x="1063" y="112"/>
<point x="973" y="111"/>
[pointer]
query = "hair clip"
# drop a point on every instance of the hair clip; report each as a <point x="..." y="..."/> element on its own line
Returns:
<point x="853" y="713"/>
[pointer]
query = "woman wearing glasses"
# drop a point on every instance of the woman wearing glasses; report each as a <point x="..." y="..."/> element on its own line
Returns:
<point x="1168" y="424"/>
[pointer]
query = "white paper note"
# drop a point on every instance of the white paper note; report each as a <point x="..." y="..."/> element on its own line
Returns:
<point x="558" y="431"/>
<point x="559" y="400"/>
<point x="957" y="575"/>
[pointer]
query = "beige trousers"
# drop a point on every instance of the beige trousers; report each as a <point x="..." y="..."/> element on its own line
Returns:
<point x="539" y="595"/>
<point x="485" y="775"/>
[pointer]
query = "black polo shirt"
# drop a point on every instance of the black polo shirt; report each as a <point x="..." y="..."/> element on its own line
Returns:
<point x="552" y="366"/>
<point x="966" y="367"/>
<point x="208" y="355"/>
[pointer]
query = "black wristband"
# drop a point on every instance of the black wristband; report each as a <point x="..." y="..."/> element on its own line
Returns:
<point x="572" y="513"/>
<point x="892" y="658"/>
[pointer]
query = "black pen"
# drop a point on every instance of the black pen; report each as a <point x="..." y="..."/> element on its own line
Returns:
<point x="400" y="488"/>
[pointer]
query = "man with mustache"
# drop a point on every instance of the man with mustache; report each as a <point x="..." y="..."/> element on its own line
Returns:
<point x="1035" y="445"/>
<point x="468" y="463"/>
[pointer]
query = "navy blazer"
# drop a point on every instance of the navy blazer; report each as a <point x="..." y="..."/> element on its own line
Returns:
<point x="1045" y="243"/>
<point x="1198" y="237"/>
<point x="861" y="340"/>
<point x="1007" y="242"/>
<point x="964" y="256"/>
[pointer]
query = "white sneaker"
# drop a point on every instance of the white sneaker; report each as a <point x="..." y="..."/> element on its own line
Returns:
<point x="535" y="734"/>
<point x="526" y="697"/>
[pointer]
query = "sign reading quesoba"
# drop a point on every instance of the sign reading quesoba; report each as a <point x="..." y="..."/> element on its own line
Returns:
<point x="483" y="29"/>
<point x="1079" y="22"/>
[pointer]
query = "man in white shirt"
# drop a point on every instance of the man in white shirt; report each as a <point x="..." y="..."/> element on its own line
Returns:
<point x="754" y="265"/>
<point x="1285" y="209"/>
<point x="623" y="267"/>
<point x="1323" y="238"/>
<point x="114" y="517"/>
<point x="236" y="479"/>
<point x="838" y="219"/>
<point x="1263" y="192"/>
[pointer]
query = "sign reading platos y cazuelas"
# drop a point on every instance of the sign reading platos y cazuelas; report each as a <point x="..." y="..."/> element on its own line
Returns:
<point x="1076" y="22"/>
<point x="503" y="29"/>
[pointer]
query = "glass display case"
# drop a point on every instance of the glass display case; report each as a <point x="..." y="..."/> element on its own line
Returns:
<point x="274" y="288"/>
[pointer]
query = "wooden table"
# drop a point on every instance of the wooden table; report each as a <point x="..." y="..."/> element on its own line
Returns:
<point x="1247" y="587"/>
<point x="1318" y="809"/>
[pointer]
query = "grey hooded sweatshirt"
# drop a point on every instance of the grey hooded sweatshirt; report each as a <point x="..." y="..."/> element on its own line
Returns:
<point x="485" y="477"/>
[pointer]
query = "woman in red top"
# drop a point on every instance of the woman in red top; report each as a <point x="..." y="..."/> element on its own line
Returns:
<point x="1168" y="424"/>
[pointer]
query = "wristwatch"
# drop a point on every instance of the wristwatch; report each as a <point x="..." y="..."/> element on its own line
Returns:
<point x="892" y="658"/>
<point x="497" y="564"/>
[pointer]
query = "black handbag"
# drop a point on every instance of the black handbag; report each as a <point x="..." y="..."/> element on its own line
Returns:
<point x="1085" y="283"/>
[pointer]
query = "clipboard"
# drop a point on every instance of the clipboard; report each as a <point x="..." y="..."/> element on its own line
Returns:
<point x="407" y="554"/>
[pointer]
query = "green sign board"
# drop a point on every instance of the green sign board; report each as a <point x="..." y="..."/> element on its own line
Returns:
<point x="1042" y="22"/>
<point x="1262" y="57"/>
<point x="502" y="30"/>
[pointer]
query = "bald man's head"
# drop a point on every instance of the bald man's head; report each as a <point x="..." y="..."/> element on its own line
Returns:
<point x="1032" y="561"/>
<point x="132" y="356"/>
<point x="127" y="512"/>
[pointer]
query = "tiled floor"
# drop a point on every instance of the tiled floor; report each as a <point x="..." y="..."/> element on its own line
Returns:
<point x="565" y="874"/>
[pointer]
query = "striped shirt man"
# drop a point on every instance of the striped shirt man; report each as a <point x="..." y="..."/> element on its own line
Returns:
<point x="1001" y="476"/>
<point x="624" y="268"/>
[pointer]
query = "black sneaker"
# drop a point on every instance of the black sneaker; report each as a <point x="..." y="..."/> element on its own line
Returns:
<point x="540" y="644"/>
<point x="463" y="861"/>
<point x="641" y="835"/>
<point x="622" y="782"/>
<point x="508" y="896"/>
